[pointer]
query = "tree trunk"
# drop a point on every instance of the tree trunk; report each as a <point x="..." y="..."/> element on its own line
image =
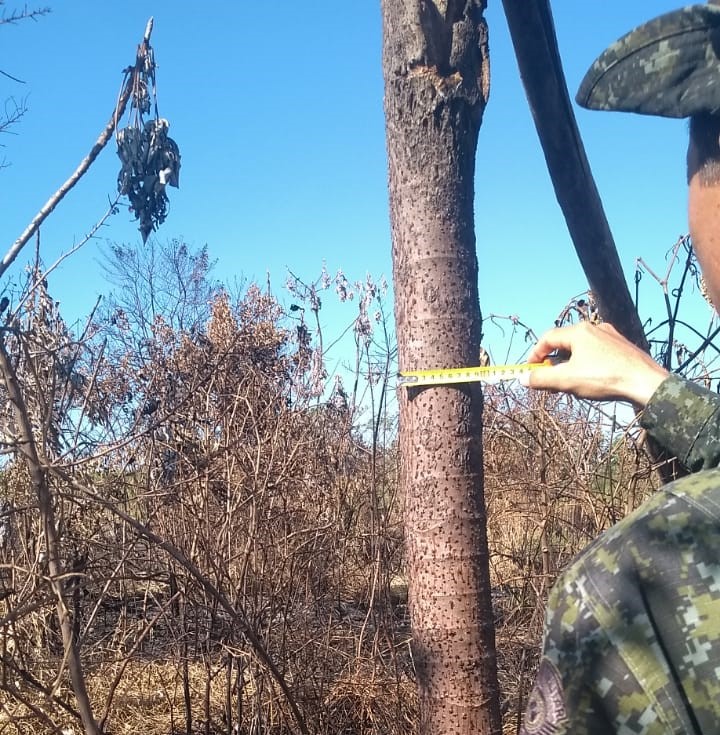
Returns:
<point x="435" y="66"/>
<point x="533" y="35"/>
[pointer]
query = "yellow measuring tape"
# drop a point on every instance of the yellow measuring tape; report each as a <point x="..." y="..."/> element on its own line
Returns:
<point x="489" y="374"/>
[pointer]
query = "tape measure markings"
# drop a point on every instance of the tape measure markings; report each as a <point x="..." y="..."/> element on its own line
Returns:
<point x="488" y="374"/>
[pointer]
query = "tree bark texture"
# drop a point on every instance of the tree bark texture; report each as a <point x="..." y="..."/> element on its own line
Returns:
<point x="533" y="35"/>
<point x="435" y="65"/>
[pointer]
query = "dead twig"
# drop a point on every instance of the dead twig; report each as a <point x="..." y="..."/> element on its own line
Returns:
<point x="85" y="164"/>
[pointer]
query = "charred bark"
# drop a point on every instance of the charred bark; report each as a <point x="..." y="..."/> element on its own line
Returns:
<point x="533" y="35"/>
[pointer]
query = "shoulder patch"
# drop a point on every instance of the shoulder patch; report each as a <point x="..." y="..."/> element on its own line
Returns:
<point x="545" y="713"/>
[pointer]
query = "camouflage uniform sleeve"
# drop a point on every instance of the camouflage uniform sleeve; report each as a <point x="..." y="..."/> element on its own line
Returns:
<point x="632" y="633"/>
<point x="684" y="418"/>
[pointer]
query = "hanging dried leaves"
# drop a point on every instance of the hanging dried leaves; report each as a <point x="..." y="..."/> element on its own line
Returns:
<point x="150" y="158"/>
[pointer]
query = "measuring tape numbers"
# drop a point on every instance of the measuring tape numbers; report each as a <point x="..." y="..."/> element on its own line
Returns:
<point x="489" y="374"/>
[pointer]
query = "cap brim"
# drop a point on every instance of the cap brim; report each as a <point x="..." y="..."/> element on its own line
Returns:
<point x="669" y="66"/>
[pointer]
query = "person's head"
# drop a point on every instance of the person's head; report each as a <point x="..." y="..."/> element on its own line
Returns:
<point x="703" y="174"/>
<point x="670" y="66"/>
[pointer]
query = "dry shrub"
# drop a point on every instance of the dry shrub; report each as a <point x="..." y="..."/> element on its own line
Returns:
<point x="231" y="547"/>
<point x="231" y="540"/>
<point x="558" y="472"/>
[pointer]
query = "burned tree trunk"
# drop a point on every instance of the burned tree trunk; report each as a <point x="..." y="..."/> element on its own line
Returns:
<point x="533" y="35"/>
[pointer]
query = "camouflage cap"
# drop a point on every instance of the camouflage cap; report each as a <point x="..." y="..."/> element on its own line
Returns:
<point x="669" y="66"/>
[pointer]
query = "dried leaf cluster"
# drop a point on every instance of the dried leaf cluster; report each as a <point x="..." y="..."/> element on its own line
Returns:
<point x="150" y="159"/>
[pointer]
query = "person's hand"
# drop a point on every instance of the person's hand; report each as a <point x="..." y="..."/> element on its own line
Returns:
<point x="602" y="365"/>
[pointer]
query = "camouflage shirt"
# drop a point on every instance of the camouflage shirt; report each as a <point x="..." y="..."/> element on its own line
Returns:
<point x="632" y="639"/>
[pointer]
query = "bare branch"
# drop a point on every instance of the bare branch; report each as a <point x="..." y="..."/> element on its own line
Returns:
<point x="15" y="16"/>
<point x="29" y="452"/>
<point x="13" y="112"/>
<point x="238" y="616"/>
<point x="10" y="76"/>
<point x="85" y="164"/>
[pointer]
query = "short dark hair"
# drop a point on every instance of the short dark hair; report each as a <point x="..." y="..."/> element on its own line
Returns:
<point x="705" y="143"/>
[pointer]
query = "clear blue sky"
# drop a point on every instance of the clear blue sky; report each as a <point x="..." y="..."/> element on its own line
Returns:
<point x="277" y="108"/>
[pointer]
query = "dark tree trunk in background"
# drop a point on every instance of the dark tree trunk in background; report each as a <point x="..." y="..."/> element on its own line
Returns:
<point x="533" y="35"/>
<point x="436" y="83"/>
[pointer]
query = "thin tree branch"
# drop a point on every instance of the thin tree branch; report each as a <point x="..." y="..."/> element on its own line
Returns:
<point x="85" y="164"/>
<point x="17" y="15"/>
<point x="29" y="679"/>
<point x="238" y="617"/>
<point x="10" y="76"/>
<point x="38" y="478"/>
